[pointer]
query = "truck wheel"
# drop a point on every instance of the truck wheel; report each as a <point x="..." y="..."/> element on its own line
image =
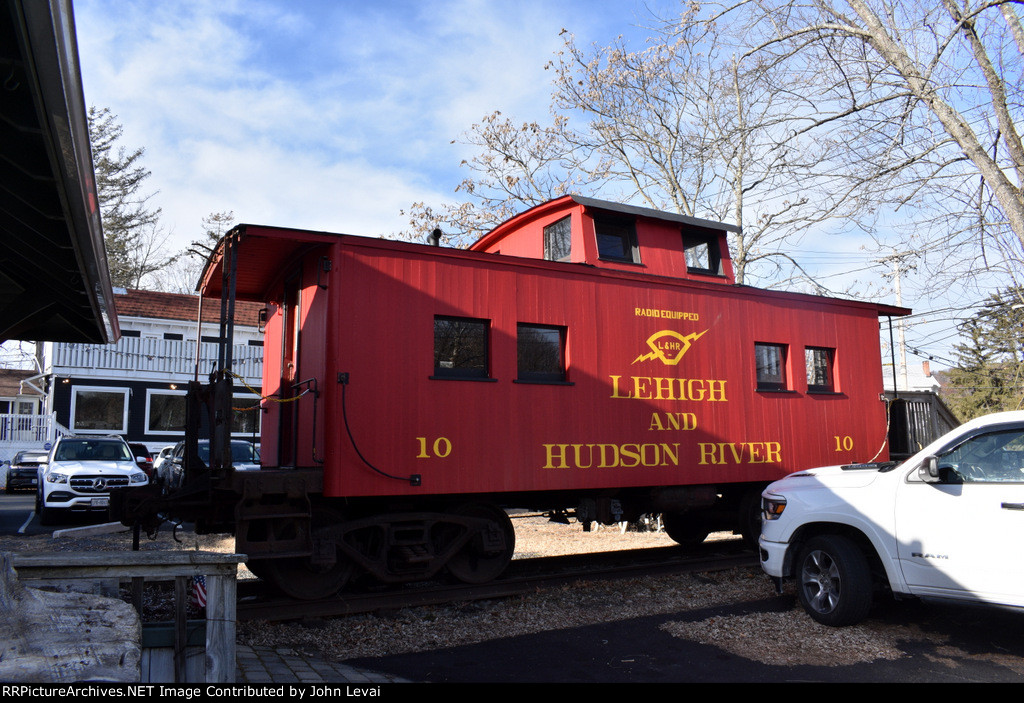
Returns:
<point x="834" y="581"/>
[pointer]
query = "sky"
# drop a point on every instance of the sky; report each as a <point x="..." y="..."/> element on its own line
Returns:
<point x="320" y="114"/>
<point x="337" y="115"/>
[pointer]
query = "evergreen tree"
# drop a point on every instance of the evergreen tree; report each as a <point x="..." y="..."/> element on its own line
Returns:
<point x="131" y="232"/>
<point x="989" y="375"/>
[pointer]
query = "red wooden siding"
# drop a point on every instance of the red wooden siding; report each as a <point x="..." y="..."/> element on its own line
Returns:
<point x="660" y="389"/>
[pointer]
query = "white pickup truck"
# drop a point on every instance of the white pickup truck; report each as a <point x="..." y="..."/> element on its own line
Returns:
<point x="948" y="523"/>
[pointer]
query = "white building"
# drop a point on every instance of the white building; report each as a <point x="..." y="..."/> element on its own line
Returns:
<point x="136" y="387"/>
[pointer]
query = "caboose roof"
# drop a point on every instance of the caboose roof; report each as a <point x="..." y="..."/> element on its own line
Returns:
<point x="514" y="223"/>
<point x="263" y="250"/>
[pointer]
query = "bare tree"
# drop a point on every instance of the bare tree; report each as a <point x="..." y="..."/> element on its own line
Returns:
<point x="215" y="226"/>
<point x="519" y="164"/>
<point x="925" y="98"/>
<point x="182" y="274"/>
<point x="687" y="124"/>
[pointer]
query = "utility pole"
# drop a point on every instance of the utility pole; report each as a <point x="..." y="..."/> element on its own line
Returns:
<point x="901" y="330"/>
<point x="898" y="269"/>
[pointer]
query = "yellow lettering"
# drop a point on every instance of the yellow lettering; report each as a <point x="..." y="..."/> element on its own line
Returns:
<point x="708" y="453"/>
<point x="673" y="421"/>
<point x="630" y="454"/>
<point x="716" y="390"/>
<point x="668" y="388"/>
<point x="739" y="452"/>
<point x="663" y="388"/>
<point x="615" y="388"/>
<point x="610" y="456"/>
<point x="640" y="387"/>
<point x="555" y="452"/>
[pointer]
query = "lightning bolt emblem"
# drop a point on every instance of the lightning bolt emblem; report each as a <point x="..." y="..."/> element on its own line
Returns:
<point x="669" y="346"/>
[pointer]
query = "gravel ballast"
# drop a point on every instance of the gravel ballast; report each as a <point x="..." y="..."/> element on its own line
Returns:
<point x="755" y="636"/>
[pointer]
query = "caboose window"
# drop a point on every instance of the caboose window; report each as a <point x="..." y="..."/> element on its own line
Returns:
<point x="702" y="254"/>
<point x="819" y="362"/>
<point x="771" y="366"/>
<point x="557" y="238"/>
<point x="541" y="353"/>
<point x="616" y="240"/>
<point x="460" y="347"/>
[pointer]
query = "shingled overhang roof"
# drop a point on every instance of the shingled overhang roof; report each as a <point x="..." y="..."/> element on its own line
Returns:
<point x="54" y="282"/>
<point x="178" y="306"/>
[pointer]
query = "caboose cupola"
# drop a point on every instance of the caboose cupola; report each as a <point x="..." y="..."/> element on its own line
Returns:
<point x="608" y="235"/>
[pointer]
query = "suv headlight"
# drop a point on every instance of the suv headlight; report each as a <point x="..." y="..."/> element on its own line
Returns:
<point x="772" y="507"/>
<point x="56" y="477"/>
<point x="137" y="477"/>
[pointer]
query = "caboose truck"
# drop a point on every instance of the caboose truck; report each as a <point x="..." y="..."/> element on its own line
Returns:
<point x="589" y="359"/>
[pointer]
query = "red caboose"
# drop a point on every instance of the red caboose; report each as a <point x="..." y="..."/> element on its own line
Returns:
<point x="586" y="358"/>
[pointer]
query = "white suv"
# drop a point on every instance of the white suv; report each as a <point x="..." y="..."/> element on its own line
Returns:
<point x="79" y="474"/>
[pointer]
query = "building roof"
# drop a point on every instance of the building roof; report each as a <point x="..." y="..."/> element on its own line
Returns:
<point x="54" y="281"/>
<point x="178" y="306"/>
<point x="10" y="382"/>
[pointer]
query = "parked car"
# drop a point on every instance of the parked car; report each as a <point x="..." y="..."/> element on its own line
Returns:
<point x="79" y="474"/>
<point x="944" y="524"/>
<point x="24" y="469"/>
<point x="245" y="456"/>
<point x="165" y="454"/>
<point x="143" y="457"/>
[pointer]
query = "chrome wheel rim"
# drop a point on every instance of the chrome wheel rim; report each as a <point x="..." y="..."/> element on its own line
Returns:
<point x="820" y="581"/>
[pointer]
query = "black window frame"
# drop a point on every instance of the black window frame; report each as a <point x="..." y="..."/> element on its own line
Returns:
<point x="554" y="235"/>
<point x="532" y="375"/>
<point x="811" y="356"/>
<point x="764" y="380"/>
<point x="619" y="229"/>
<point x="475" y="372"/>
<point x="692" y="242"/>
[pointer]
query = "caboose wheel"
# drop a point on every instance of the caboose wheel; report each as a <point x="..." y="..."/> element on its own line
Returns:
<point x="306" y="578"/>
<point x="487" y="553"/>
<point x="684" y="529"/>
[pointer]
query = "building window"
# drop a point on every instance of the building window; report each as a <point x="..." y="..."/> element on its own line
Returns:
<point x="96" y="409"/>
<point x="460" y="347"/>
<point x="165" y="412"/>
<point x="702" y="254"/>
<point x="820" y="371"/>
<point x="541" y="353"/>
<point x="557" y="240"/>
<point x="616" y="240"/>
<point x="173" y="336"/>
<point x="771" y="366"/>
<point x="131" y="333"/>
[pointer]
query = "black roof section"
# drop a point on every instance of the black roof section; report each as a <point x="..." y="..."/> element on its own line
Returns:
<point x="54" y="281"/>
<point x="651" y="213"/>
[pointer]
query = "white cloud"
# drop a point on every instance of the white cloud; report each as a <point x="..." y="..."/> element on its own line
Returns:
<point x="343" y="107"/>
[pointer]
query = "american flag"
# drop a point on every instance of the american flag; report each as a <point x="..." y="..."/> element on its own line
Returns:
<point x="199" y="591"/>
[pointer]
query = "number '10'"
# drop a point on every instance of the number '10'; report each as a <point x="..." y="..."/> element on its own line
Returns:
<point x="843" y="443"/>
<point x="441" y="448"/>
